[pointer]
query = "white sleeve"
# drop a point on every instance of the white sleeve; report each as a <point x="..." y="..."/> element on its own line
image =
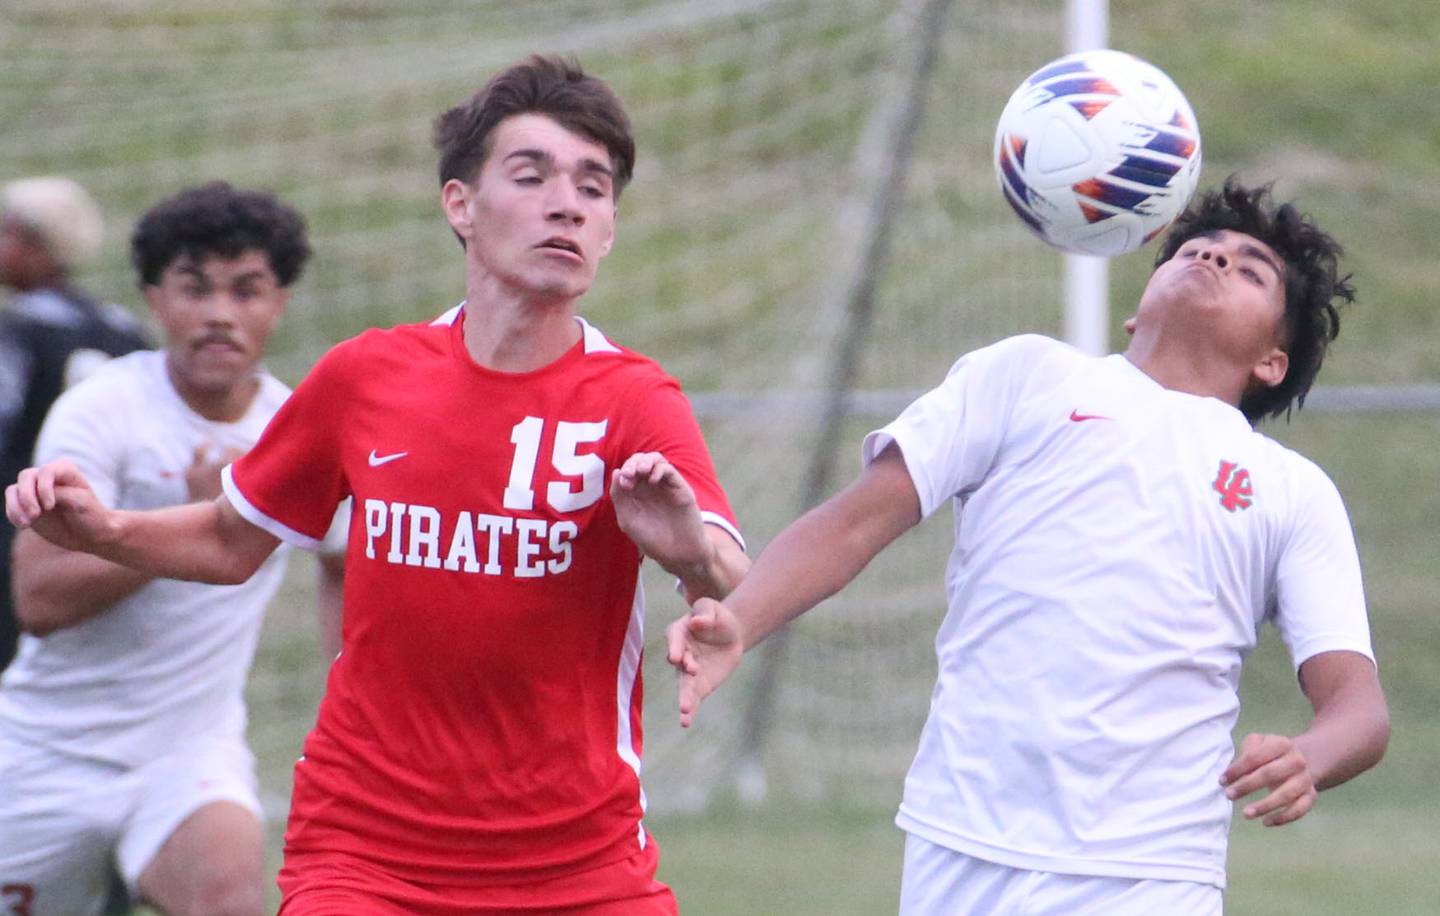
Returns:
<point x="951" y="435"/>
<point x="1319" y="598"/>
<point x="338" y="535"/>
<point x="87" y="427"/>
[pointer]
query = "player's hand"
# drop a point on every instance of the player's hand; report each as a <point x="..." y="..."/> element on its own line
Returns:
<point x="202" y="477"/>
<point x="56" y="502"/>
<point x="704" y="646"/>
<point x="656" y="509"/>
<point x="1272" y="762"/>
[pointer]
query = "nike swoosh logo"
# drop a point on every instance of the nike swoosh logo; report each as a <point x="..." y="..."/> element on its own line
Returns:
<point x="1078" y="417"/>
<point x="377" y="460"/>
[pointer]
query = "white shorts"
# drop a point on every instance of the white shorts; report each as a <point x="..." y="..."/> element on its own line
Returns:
<point x="65" y="823"/>
<point x="942" y="882"/>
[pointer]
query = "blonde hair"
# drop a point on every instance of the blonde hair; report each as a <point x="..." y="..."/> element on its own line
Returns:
<point x="61" y="212"/>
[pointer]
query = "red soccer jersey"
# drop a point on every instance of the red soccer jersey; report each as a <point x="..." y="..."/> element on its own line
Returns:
<point x="481" y="726"/>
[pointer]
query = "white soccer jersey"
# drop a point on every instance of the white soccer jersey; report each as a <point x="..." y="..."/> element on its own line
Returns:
<point x="170" y="660"/>
<point x="1117" y="546"/>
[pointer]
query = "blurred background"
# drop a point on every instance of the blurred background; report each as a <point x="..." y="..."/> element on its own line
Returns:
<point x="813" y="235"/>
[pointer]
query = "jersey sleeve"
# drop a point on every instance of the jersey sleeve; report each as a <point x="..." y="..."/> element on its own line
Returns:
<point x="292" y="480"/>
<point x="84" y="428"/>
<point x="1319" y="597"/>
<point x="338" y="536"/>
<point x="951" y="435"/>
<point x="669" y="427"/>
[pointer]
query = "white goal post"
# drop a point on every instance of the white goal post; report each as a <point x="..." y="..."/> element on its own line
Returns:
<point x="1087" y="278"/>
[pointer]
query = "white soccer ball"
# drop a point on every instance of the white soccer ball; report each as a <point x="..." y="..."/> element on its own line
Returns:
<point x="1097" y="152"/>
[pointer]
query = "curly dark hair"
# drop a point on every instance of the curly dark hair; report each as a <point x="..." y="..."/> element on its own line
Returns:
<point x="552" y="86"/>
<point x="218" y="219"/>
<point x="1314" y="290"/>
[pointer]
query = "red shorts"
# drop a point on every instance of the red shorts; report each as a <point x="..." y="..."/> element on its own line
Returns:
<point x="337" y="885"/>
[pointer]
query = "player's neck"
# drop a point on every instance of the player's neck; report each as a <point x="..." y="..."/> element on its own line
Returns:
<point x="227" y="404"/>
<point x="1180" y="366"/>
<point x="519" y="336"/>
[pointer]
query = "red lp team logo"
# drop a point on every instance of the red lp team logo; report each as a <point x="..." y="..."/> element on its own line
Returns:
<point x="1233" y="485"/>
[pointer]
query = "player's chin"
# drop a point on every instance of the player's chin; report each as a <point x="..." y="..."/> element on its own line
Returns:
<point x="220" y="377"/>
<point x="564" y="280"/>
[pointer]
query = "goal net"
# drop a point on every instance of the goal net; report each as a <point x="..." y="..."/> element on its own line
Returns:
<point x="761" y="125"/>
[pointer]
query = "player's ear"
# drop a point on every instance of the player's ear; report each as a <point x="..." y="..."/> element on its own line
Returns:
<point x="609" y="241"/>
<point x="1271" y="370"/>
<point x="1130" y="325"/>
<point x="455" y="198"/>
<point x="153" y="297"/>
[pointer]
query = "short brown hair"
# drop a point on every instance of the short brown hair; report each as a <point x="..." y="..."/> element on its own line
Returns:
<point x="551" y="86"/>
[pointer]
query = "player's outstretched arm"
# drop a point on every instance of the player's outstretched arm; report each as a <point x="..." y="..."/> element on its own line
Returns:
<point x="812" y="559"/>
<point x="203" y="542"/>
<point x="57" y="588"/>
<point x="656" y="508"/>
<point x="1346" y="737"/>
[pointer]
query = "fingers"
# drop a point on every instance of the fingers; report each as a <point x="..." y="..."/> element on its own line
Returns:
<point x="200" y="459"/>
<point x="1255" y="751"/>
<point x="12" y="507"/>
<point x="643" y="467"/>
<point x="37" y="491"/>
<point x="677" y="646"/>
<point x="21" y="506"/>
<point x="31" y="495"/>
<point x="681" y="655"/>
<point x="686" y="636"/>
<point x="1271" y="773"/>
<point x="1288" y="802"/>
<point x="1275" y="763"/>
<point x="685" y="645"/>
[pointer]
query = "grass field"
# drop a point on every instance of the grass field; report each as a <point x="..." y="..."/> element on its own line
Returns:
<point x="328" y="103"/>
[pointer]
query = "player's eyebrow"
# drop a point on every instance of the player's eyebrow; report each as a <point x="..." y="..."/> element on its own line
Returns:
<point x="594" y="165"/>
<point x="538" y="156"/>
<point x="191" y="269"/>
<point x="1260" y="254"/>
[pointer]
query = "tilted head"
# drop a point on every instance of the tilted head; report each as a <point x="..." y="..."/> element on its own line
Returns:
<point x="549" y="86"/>
<point x="215" y="264"/>
<point x="530" y="170"/>
<point x="1310" y="282"/>
<point x="48" y="226"/>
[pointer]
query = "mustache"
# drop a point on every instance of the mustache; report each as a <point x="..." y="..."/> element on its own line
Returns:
<point x="215" y="337"/>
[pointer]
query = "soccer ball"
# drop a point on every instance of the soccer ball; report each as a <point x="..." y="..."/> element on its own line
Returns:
<point x="1097" y="152"/>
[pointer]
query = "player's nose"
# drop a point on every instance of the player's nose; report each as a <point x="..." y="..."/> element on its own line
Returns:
<point x="1215" y="253"/>
<point x="563" y="203"/>
<point x="220" y="308"/>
